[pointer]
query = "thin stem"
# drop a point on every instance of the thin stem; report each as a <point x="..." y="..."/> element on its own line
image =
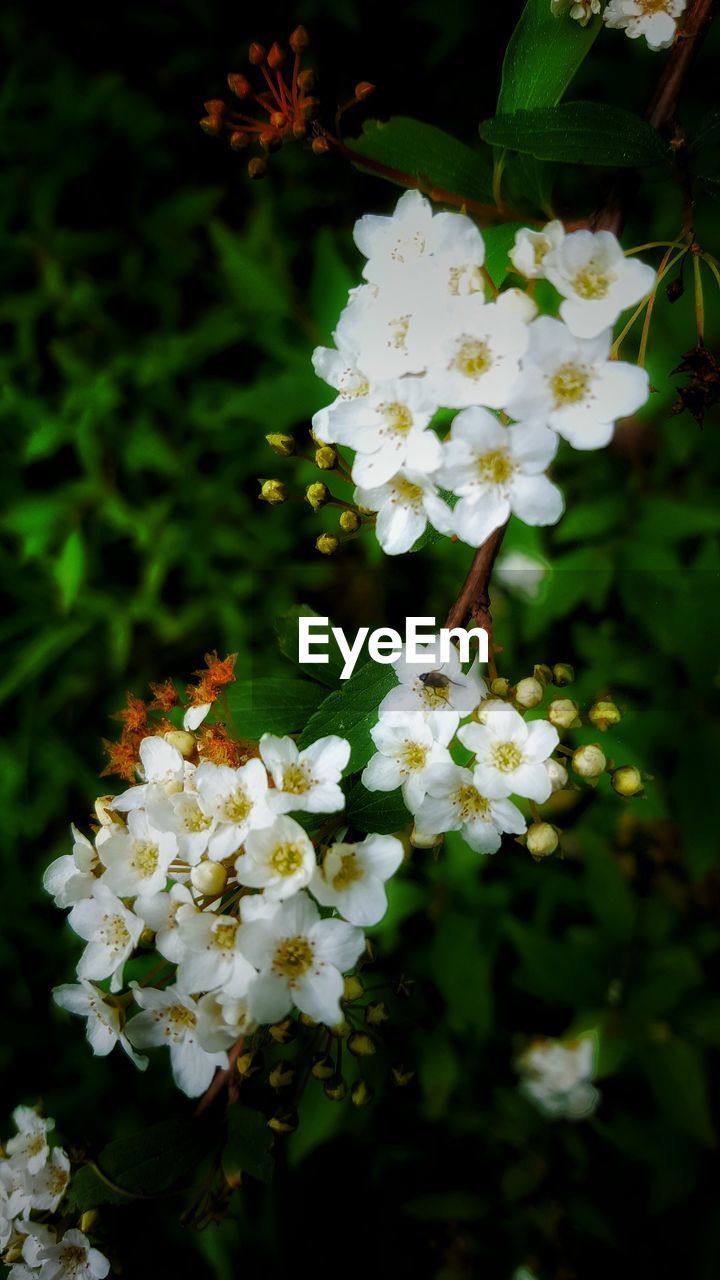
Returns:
<point x="699" y="301"/>
<point x="474" y="598"/>
<point x="712" y="264"/>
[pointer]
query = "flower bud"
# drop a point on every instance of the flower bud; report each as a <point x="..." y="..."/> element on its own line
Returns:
<point x="281" y="1076"/>
<point x="562" y="674"/>
<point x="299" y="129"/>
<point x="299" y="40"/>
<point x="557" y="773"/>
<point x="500" y="687"/>
<point x="274" y="492"/>
<point x="364" y="90"/>
<point x="361" y="1094"/>
<point x="276" y="56"/>
<point x="320" y="146"/>
<point x="257" y="167"/>
<point x="335" y="1089"/>
<point x="306" y="80"/>
<point x="88" y="1220"/>
<point x="327" y="544"/>
<point x="182" y="741"/>
<point x="352" y="988"/>
<point x="518" y="303"/>
<point x="563" y="713"/>
<point x="325" y="458"/>
<point x="209" y="878"/>
<point x="401" y="1077"/>
<point x="361" y="1045"/>
<point x="104" y="814"/>
<point x="421" y="839"/>
<point x="543" y="672"/>
<point x="349" y="521"/>
<point x="589" y="761"/>
<point x="239" y="141"/>
<point x="247" y="1064"/>
<point x="215" y="107"/>
<point x="283" y="1032"/>
<point x="239" y="85"/>
<point x="542" y="839"/>
<point x="211" y="125"/>
<point x="488" y="704"/>
<point x="256" y="54"/>
<point x="529" y="692"/>
<point x="604" y="714"/>
<point x="323" y="1067"/>
<point x="284" y="1121"/>
<point x="627" y="780"/>
<point x="269" y="140"/>
<point x="342" y="1030"/>
<point x="376" y="1013"/>
<point x="281" y="444"/>
<point x="317" y="495"/>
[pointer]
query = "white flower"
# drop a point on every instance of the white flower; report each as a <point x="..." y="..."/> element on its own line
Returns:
<point x="477" y="352"/>
<point x="163" y="771"/>
<point x="570" y="385"/>
<point x="305" y="780"/>
<point x="70" y="877"/>
<point x="406" y="749"/>
<point x="162" y="912"/>
<point x="136" y="860"/>
<point x="656" y="20"/>
<point x="387" y="428"/>
<point x="37" y="1237"/>
<point x="194" y="716"/>
<point x="171" y="1017"/>
<point x="104" y="1023"/>
<point x="596" y="280"/>
<point x="557" y="1077"/>
<point x="237" y="798"/>
<point x="184" y="814"/>
<point x="393" y="331"/>
<point x="399" y="244"/>
<point x="352" y="878"/>
<point x="49" y="1185"/>
<point x="222" y="1020"/>
<point x="301" y="959"/>
<point x="580" y="10"/>
<point x="71" y="1258"/>
<point x="213" y="956"/>
<point x="454" y="803"/>
<point x="280" y="859"/>
<point x="15" y="1200"/>
<point x="497" y="471"/>
<point x="510" y="754"/>
<point x="338" y="367"/>
<point x="458" y="257"/>
<point x="442" y="704"/>
<point x="29" y="1148"/>
<point x="405" y="506"/>
<point x="111" y="932"/>
<point x="532" y="247"/>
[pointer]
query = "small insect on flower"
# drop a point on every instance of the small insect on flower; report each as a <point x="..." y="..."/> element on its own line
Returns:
<point x="435" y="680"/>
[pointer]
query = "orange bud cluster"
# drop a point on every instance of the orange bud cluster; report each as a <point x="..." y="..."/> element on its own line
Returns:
<point x="211" y="679"/>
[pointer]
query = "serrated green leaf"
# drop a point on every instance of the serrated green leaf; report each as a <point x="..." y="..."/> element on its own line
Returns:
<point x="149" y="1163"/>
<point x="351" y="712"/>
<point x="379" y="812"/>
<point x="422" y="152"/>
<point x="272" y="704"/>
<point x="542" y="57"/>
<point x="590" y="133"/>
<point x="286" y="628"/>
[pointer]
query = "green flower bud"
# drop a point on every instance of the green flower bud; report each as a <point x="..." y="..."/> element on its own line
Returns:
<point x="361" y="1045"/>
<point x="282" y="445"/>
<point x="323" y="1067"/>
<point x="361" y="1094"/>
<point x="352" y="988"/>
<point x="325" y="458"/>
<point x="283" y="1032"/>
<point x="349" y="521"/>
<point x="543" y="673"/>
<point x="627" y="780"/>
<point x="529" y="692"/>
<point x="335" y="1089"/>
<point x="542" y="839"/>
<point x="604" y="714"/>
<point x="562" y="674"/>
<point x="563" y="713"/>
<point x="327" y="544"/>
<point x="281" y="1076"/>
<point x="401" y="1077"/>
<point x="273" y="491"/>
<point x="317" y="495"/>
<point x="376" y="1013"/>
<point x="500" y="687"/>
<point x="284" y="1121"/>
<point x="589" y="761"/>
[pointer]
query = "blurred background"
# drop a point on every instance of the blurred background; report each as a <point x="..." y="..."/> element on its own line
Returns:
<point x="157" y="314"/>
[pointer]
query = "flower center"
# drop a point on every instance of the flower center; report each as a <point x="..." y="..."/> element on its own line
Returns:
<point x="113" y="933"/>
<point x="35" y="1145"/>
<point x="470" y="803"/>
<point x="348" y="872"/>
<point x="653" y="6"/>
<point x="178" y="1019"/>
<point x="286" y="859"/>
<point x="194" y="819"/>
<point x="58" y="1179"/>
<point x="541" y="248"/>
<point x="413" y="756"/>
<point x="495" y="467"/>
<point x="295" y="780"/>
<point x="405" y="491"/>
<point x="472" y="358"/>
<point x="73" y="1259"/>
<point x="237" y="806"/>
<point x="398" y="418"/>
<point x="591" y="281"/>
<point x="352" y="384"/>
<point x="569" y="384"/>
<point x="506" y="757"/>
<point x="409" y="249"/>
<point x="145" y="859"/>
<point x="465" y="279"/>
<point x="432" y="694"/>
<point x="293" y="957"/>
<point x="224" y="935"/>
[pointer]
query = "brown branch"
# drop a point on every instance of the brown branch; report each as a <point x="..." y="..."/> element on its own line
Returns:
<point x="660" y="111"/>
<point x="474" y="597"/>
<point x="222" y="1079"/>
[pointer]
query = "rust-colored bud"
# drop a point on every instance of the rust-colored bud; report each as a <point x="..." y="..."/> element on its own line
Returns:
<point x="320" y="146"/>
<point x="257" y="167"/>
<point x="307" y="81"/>
<point x="211" y="126"/>
<point x="215" y="107"/>
<point x="309" y="108"/>
<point x="364" y="90"/>
<point x="256" y="54"/>
<point x="299" y="129"/>
<point x="276" y="56"/>
<point x="270" y="140"/>
<point x="239" y="85"/>
<point x="238" y="140"/>
<point x="299" y="40"/>
<point x="277" y="120"/>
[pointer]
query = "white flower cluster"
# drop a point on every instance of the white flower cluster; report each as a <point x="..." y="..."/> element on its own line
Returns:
<point x="419" y="721"/>
<point x="422" y="334"/>
<point x="203" y="863"/>
<point x="557" y="1077"/>
<point x="34" y="1177"/>
<point x="656" y="20"/>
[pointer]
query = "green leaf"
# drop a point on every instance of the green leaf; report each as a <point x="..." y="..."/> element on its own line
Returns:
<point x="286" y="627"/>
<point x="149" y="1163"/>
<point x="590" y="133"/>
<point x="272" y="704"/>
<point x="70" y="569"/>
<point x="542" y="57"/>
<point x="677" y="1074"/>
<point x="708" y="135"/>
<point x="436" y="160"/>
<point x="498" y="243"/>
<point x="351" y="712"/>
<point x="249" y="1144"/>
<point x="379" y="812"/>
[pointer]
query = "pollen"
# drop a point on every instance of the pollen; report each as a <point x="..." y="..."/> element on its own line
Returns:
<point x="194" y="819"/>
<point x="405" y="491"/>
<point x="398" y="332"/>
<point x="541" y="248"/>
<point x="237" y="807"/>
<point x="349" y="872"/>
<point x="495" y="467"/>
<point x="73" y="1260"/>
<point x="295" y="780"/>
<point x="114" y="933"/>
<point x="293" y="957"/>
<point x="145" y="859"/>
<point x="470" y="804"/>
<point x="413" y="756"/>
<point x="592" y="282"/>
<point x="465" y="280"/>
<point x="472" y="358"/>
<point x="224" y="935"/>
<point x="398" y="418"/>
<point x="506" y="757"/>
<point x="569" y="384"/>
<point x="178" y="1017"/>
<point x="286" y="859"/>
<point x="352" y="384"/>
